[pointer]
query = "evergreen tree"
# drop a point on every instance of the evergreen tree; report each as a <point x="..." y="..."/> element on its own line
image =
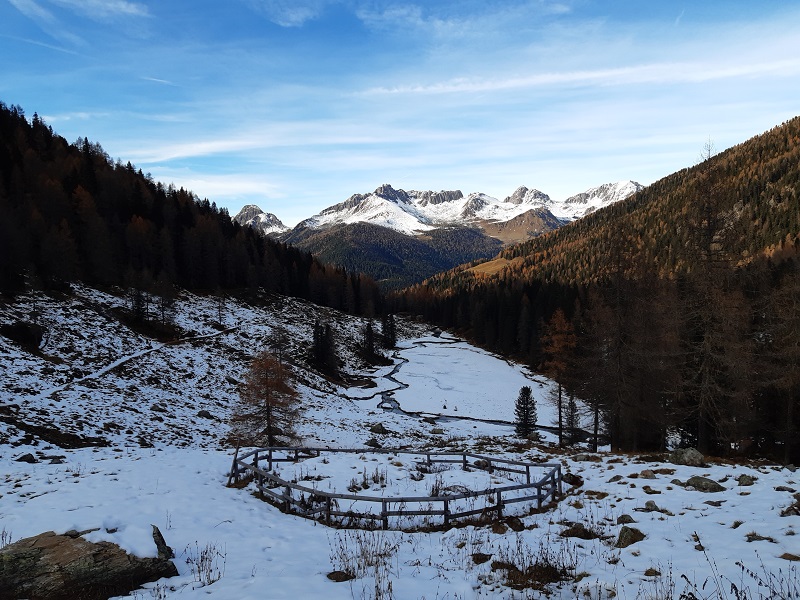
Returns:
<point x="323" y="351"/>
<point x="573" y="420"/>
<point x="389" y="331"/>
<point x="525" y="412"/>
<point x="368" y="344"/>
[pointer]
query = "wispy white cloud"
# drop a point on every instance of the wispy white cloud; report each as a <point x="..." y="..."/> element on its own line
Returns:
<point x="46" y="20"/>
<point x="158" y="80"/>
<point x="42" y="44"/>
<point x="105" y="9"/>
<point x="34" y="11"/>
<point x="290" y="13"/>
<point x="661" y="74"/>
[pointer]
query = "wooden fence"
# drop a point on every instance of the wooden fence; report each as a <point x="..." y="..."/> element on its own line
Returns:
<point x="318" y="504"/>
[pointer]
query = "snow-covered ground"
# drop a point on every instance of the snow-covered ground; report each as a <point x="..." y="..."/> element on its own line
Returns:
<point x="166" y="466"/>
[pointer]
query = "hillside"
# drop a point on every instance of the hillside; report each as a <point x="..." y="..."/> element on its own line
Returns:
<point x="393" y="259"/>
<point x="678" y="300"/>
<point x="70" y="213"/>
<point x="755" y="189"/>
<point x="155" y="419"/>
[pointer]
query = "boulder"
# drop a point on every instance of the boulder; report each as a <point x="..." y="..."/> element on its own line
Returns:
<point x="628" y="536"/>
<point x="745" y="480"/>
<point x="704" y="484"/>
<point x="515" y="524"/>
<point x="50" y="566"/>
<point x="572" y="479"/>
<point x="579" y="530"/>
<point x="27" y="458"/>
<point x="585" y="457"/>
<point x="687" y="456"/>
<point x="625" y="520"/>
<point x="204" y="414"/>
<point x="378" y="428"/>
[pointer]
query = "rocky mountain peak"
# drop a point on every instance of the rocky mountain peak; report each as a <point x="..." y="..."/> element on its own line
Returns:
<point x="267" y="223"/>
<point x="434" y="198"/>
<point x="523" y="195"/>
<point x="387" y="192"/>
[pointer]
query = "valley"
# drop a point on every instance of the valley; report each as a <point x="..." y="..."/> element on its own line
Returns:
<point x="162" y="463"/>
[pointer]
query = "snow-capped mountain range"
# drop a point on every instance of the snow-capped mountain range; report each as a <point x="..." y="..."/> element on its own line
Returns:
<point x="415" y="212"/>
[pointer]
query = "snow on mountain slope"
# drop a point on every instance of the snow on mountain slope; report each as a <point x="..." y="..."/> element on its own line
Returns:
<point x="267" y="223"/>
<point x="415" y="212"/>
<point x="595" y="198"/>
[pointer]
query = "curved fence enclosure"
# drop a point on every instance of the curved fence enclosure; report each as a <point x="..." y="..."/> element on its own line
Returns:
<point x="527" y="482"/>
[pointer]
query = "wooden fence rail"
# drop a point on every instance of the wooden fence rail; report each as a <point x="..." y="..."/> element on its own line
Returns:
<point x="291" y="496"/>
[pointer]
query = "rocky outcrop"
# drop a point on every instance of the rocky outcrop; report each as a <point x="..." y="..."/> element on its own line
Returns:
<point x="50" y="566"/>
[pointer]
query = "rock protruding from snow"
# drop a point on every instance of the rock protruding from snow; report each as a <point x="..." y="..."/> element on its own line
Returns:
<point x="687" y="456"/>
<point x="267" y="223"/>
<point x="523" y="195"/>
<point x="67" y="566"/>
<point x="426" y="198"/>
<point x="628" y="536"/>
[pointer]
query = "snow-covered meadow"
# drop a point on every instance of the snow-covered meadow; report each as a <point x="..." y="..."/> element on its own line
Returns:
<point x="167" y="466"/>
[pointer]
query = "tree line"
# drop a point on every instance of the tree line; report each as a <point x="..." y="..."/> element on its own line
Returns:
<point x="70" y="213"/>
<point x="691" y="339"/>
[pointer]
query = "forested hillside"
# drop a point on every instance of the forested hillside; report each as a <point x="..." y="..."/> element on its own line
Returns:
<point x="676" y="311"/>
<point x="68" y="212"/>
<point x="393" y="259"/>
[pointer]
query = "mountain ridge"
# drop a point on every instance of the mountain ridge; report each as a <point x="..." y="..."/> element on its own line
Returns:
<point x="400" y="237"/>
<point x="415" y="212"/>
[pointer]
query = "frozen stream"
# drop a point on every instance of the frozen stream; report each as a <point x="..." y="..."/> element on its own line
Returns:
<point x="445" y="376"/>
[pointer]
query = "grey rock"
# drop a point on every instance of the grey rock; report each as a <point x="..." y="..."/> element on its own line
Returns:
<point x="373" y="443"/>
<point x="687" y="456"/>
<point x="204" y="414"/>
<point x="704" y="484"/>
<point x="745" y="480"/>
<point x="584" y="457"/>
<point x="164" y="551"/>
<point x="647" y="474"/>
<point x="28" y="458"/>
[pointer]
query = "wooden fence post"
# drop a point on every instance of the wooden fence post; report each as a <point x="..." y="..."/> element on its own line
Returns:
<point x="328" y="511"/>
<point x="446" y="512"/>
<point x="234" y="474"/>
<point x="499" y="505"/>
<point x="384" y="515"/>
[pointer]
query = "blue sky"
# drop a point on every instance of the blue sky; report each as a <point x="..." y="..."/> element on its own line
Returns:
<point x="294" y="105"/>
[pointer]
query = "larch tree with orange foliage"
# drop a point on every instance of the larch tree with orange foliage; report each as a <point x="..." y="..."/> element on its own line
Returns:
<point x="268" y="406"/>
